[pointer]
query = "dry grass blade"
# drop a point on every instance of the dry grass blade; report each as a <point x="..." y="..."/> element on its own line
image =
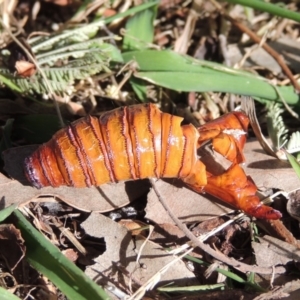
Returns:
<point x="68" y="234"/>
<point x="249" y="108"/>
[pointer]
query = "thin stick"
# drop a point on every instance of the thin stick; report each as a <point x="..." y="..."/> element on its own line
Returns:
<point x="218" y="255"/>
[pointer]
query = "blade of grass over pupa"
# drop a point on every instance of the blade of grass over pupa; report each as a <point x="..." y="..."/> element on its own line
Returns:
<point x="6" y="295"/>
<point x="273" y="9"/>
<point x="294" y="163"/>
<point x="182" y="73"/>
<point x="140" y="30"/>
<point x="48" y="260"/>
<point x="4" y="213"/>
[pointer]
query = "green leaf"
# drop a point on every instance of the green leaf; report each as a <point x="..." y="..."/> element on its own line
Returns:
<point x="48" y="260"/>
<point x="273" y="9"/>
<point x="9" y="83"/>
<point x="182" y="73"/>
<point x="140" y="88"/>
<point x="294" y="163"/>
<point x="6" y="212"/>
<point x="140" y="30"/>
<point x="6" y="295"/>
<point x="192" y="288"/>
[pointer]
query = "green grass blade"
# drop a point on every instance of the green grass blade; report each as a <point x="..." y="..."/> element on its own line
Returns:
<point x="228" y="274"/>
<point x="273" y="9"/>
<point x="139" y="34"/>
<point x="140" y="88"/>
<point x="48" y="260"/>
<point x="9" y="84"/>
<point x="140" y="30"/>
<point x="294" y="163"/>
<point x="6" y="295"/>
<point x="193" y="288"/>
<point x="183" y="73"/>
<point x="6" y="212"/>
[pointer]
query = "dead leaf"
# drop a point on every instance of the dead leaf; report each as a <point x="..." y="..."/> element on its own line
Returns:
<point x="187" y="205"/>
<point x="76" y="109"/>
<point x="71" y="254"/>
<point x="60" y="2"/>
<point x="268" y="172"/>
<point x="168" y="234"/>
<point x="121" y="254"/>
<point x="107" y="197"/>
<point x="290" y="290"/>
<point x="25" y="68"/>
<point x="271" y="252"/>
<point x="136" y="227"/>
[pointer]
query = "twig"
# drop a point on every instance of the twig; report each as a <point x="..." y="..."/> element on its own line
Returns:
<point x="267" y="48"/>
<point x="218" y="255"/>
<point x="249" y="108"/>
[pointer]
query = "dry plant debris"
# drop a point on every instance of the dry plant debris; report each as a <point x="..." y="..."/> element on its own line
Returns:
<point x="195" y="243"/>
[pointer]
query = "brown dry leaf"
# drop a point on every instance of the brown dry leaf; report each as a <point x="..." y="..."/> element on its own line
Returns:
<point x="71" y="254"/>
<point x="13" y="192"/>
<point x="267" y="172"/>
<point x="136" y="227"/>
<point x="107" y="197"/>
<point x="168" y="233"/>
<point x="187" y="205"/>
<point x="289" y="290"/>
<point x="271" y="252"/>
<point x="25" y="68"/>
<point x="121" y="250"/>
<point x="60" y="2"/>
<point x="76" y="109"/>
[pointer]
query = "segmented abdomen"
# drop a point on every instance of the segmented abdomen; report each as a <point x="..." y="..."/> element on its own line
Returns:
<point x="131" y="142"/>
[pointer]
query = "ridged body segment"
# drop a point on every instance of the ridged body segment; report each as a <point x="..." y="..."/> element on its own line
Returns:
<point x="132" y="142"/>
